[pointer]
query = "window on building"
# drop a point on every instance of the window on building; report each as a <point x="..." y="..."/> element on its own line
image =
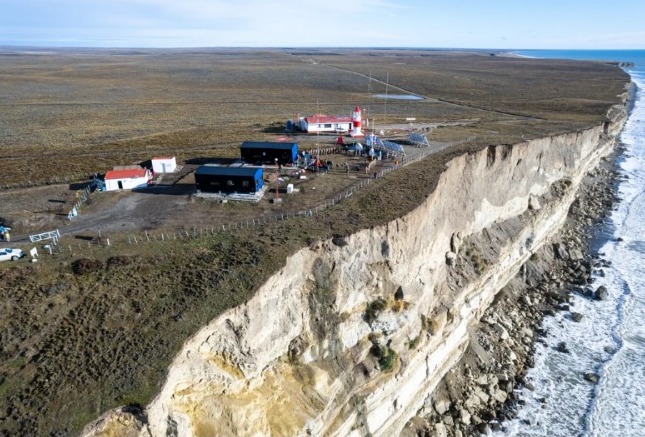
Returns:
<point x="328" y="126"/>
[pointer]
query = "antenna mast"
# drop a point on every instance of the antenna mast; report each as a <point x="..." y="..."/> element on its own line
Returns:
<point x="369" y="106"/>
<point x="387" y="83"/>
<point x="318" y="134"/>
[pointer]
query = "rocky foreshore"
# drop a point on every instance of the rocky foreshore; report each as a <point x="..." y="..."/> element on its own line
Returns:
<point x="480" y="393"/>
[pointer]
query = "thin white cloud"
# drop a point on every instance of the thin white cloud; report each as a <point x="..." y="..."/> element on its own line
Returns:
<point x="252" y="10"/>
<point x="411" y="23"/>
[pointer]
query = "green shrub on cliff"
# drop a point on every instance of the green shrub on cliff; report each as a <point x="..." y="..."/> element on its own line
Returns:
<point x="477" y="260"/>
<point x="412" y="344"/>
<point x="386" y="357"/>
<point x="374" y="308"/>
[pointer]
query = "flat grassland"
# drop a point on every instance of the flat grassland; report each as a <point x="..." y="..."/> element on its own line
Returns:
<point x="78" y="338"/>
<point x="72" y="114"/>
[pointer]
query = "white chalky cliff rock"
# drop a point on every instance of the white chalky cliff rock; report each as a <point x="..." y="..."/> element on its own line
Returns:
<point x="295" y="360"/>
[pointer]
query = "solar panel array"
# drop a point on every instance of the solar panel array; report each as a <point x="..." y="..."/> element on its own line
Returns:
<point x="384" y="145"/>
<point x="371" y="141"/>
<point x="393" y="147"/>
<point x="418" y="140"/>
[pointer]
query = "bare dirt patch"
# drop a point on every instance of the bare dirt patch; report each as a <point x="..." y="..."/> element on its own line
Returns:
<point x="172" y="204"/>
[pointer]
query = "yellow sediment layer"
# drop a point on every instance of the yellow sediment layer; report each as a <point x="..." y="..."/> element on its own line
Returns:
<point x="280" y="405"/>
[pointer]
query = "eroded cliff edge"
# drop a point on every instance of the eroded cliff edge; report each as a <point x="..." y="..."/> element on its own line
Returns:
<point x="351" y="336"/>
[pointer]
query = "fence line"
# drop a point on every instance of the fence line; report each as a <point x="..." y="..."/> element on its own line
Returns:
<point x="310" y="212"/>
<point x="181" y="234"/>
<point x="77" y="206"/>
<point x="324" y="150"/>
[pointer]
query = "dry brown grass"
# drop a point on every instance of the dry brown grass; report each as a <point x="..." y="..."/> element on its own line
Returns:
<point x="73" y="345"/>
<point x="67" y="115"/>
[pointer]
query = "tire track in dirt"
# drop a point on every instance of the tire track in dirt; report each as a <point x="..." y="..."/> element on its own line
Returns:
<point x="430" y="99"/>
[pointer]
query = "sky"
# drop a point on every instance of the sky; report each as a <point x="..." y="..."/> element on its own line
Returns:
<point x="490" y="24"/>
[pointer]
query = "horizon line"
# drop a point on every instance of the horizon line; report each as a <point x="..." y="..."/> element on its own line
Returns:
<point x="286" y="47"/>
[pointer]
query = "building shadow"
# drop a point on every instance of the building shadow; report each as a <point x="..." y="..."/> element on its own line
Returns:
<point x="76" y="186"/>
<point x="202" y="160"/>
<point x="168" y="190"/>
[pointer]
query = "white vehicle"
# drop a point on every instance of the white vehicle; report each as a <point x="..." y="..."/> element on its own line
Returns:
<point x="7" y="254"/>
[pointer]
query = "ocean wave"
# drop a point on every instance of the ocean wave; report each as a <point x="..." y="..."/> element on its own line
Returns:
<point x="610" y="339"/>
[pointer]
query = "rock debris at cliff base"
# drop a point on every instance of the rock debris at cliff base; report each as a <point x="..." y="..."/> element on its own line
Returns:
<point x="480" y="393"/>
<point x="76" y="345"/>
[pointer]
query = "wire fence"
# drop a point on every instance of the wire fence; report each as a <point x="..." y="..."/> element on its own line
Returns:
<point x="195" y="232"/>
<point x="199" y="232"/>
<point x="85" y="195"/>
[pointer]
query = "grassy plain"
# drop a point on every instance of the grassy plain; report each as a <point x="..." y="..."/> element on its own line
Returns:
<point x="78" y="338"/>
<point x="69" y="114"/>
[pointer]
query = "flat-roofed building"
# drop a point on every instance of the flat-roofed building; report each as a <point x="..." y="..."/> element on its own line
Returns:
<point x="266" y="152"/>
<point x="216" y="179"/>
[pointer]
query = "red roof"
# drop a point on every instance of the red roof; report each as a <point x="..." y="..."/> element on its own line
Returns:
<point x="322" y="118"/>
<point x="125" y="174"/>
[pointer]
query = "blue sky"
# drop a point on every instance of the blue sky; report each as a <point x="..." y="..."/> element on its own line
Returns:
<point x="529" y="24"/>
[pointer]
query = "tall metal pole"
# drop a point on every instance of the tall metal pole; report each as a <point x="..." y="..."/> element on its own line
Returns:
<point x="317" y="134"/>
<point x="387" y="82"/>
<point x="277" y="183"/>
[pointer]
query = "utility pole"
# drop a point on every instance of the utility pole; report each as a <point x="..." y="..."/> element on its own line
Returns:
<point x="277" y="199"/>
<point x="387" y="83"/>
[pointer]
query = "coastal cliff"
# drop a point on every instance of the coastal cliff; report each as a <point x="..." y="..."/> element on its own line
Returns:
<point x="353" y="334"/>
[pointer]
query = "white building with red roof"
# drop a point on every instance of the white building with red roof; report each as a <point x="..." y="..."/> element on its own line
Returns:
<point x="126" y="179"/>
<point x="164" y="164"/>
<point x="326" y="123"/>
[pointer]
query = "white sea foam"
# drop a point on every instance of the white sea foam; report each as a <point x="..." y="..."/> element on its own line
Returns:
<point x="610" y="339"/>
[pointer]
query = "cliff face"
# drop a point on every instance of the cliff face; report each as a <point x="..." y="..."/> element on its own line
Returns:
<point x="351" y="336"/>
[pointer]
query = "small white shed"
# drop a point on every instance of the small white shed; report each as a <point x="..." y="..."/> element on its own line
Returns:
<point x="164" y="164"/>
<point x="126" y="179"/>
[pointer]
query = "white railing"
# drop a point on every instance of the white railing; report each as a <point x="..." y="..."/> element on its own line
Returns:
<point x="51" y="235"/>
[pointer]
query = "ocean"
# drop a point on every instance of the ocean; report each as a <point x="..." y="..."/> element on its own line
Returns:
<point x="610" y="339"/>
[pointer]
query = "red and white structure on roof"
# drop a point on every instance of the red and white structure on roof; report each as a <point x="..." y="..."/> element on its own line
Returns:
<point x="357" y="123"/>
<point x="126" y="179"/>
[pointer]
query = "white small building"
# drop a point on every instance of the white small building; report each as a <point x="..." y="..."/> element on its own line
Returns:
<point x="325" y="123"/>
<point x="126" y="179"/>
<point x="164" y="164"/>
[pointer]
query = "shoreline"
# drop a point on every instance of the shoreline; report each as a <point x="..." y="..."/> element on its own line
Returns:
<point x="478" y="396"/>
<point x="160" y="315"/>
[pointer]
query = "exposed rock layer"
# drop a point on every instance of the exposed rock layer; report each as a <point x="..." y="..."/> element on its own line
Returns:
<point x="351" y="339"/>
<point x="479" y="393"/>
